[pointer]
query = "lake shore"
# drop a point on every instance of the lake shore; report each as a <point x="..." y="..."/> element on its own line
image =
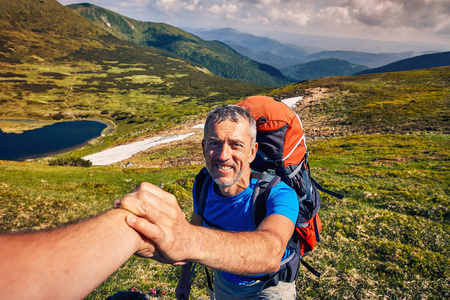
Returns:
<point x="18" y="126"/>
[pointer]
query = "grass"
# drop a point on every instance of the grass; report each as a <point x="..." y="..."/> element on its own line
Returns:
<point x="401" y="102"/>
<point x="389" y="238"/>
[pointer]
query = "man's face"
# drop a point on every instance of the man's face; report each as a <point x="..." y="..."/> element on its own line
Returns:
<point x="228" y="151"/>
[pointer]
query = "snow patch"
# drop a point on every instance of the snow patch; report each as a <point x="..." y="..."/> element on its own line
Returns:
<point x="291" y="102"/>
<point x="123" y="152"/>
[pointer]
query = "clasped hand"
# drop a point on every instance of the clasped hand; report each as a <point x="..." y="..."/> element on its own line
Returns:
<point x="160" y="221"/>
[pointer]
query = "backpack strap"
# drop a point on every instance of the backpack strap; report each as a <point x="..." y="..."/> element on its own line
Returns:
<point x="202" y="183"/>
<point x="259" y="199"/>
<point x="305" y="171"/>
<point x="322" y="189"/>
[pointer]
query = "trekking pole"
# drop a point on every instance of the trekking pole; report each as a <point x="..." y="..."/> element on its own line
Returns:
<point x="191" y="274"/>
<point x="210" y="285"/>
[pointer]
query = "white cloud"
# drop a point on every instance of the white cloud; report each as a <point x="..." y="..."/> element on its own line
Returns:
<point x="382" y="18"/>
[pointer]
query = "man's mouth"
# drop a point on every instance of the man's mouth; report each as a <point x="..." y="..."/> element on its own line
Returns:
<point x="224" y="168"/>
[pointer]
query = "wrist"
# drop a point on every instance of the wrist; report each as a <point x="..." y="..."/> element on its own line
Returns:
<point x="133" y="237"/>
<point x="195" y="243"/>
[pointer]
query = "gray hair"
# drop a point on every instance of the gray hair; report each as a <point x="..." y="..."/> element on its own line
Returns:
<point x="233" y="113"/>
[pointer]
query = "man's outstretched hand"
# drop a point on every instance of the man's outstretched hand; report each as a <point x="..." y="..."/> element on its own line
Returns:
<point x="158" y="218"/>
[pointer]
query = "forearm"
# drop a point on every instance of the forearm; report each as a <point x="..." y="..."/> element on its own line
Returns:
<point x="246" y="253"/>
<point x="160" y="219"/>
<point x="67" y="262"/>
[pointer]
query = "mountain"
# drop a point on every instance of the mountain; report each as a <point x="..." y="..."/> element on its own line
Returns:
<point x="315" y="43"/>
<point x="425" y="61"/>
<point x="277" y="60"/>
<point x="282" y="55"/>
<point x="213" y="55"/>
<point x="57" y="65"/>
<point x="361" y="58"/>
<point x="261" y="49"/>
<point x="322" y="68"/>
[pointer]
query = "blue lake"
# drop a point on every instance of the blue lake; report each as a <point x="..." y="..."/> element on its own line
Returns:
<point x="55" y="138"/>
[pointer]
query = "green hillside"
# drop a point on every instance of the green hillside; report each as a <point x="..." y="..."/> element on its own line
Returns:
<point x="57" y="65"/>
<point x="215" y="56"/>
<point x="321" y="68"/>
<point x="394" y="103"/>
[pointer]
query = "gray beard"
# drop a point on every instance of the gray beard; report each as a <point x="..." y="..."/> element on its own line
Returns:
<point x="219" y="183"/>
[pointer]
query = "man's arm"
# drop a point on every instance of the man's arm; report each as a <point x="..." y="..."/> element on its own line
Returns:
<point x="159" y="217"/>
<point x="184" y="285"/>
<point x="67" y="262"/>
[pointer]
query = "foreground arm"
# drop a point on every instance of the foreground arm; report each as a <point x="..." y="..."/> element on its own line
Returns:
<point x="68" y="262"/>
<point x="184" y="283"/>
<point x="159" y="217"/>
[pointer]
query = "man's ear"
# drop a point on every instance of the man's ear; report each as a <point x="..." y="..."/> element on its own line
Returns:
<point x="253" y="151"/>
<point x="203" y="147"/>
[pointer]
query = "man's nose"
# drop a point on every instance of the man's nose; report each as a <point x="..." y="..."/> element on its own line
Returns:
<point x="225" y="152"/>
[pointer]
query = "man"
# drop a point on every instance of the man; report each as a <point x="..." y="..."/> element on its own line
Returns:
<point x="240" y="252"/>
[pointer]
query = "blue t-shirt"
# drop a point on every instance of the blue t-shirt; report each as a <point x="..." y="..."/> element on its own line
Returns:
<point x="235" y="213"/>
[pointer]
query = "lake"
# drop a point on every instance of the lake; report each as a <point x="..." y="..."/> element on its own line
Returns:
<point x="51" y="139"/>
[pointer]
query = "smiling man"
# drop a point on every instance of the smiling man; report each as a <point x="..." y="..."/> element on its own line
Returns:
<point x="223" y="235"/>
<point x="229" y="146"/>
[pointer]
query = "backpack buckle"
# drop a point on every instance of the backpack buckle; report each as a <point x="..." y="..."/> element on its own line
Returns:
<point x="270" y="172"/>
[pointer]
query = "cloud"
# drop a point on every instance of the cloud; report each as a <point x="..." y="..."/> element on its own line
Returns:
<point x="382" y="18"/>
<point x="418" y="14"/>
<point x="256" y="12"/>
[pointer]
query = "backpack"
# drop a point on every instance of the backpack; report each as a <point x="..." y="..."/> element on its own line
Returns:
<point x="282" y="156"/>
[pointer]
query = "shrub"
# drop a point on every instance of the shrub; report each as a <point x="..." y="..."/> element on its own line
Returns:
<point x="70" y="161"/>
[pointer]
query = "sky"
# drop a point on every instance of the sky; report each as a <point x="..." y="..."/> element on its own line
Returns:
<point x="426" y="21"/>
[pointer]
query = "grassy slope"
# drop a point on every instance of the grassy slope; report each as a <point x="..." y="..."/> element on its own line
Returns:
<point x="389" y="238"/>
<point x="79" y="71"/>
<point x="403" y="102"/>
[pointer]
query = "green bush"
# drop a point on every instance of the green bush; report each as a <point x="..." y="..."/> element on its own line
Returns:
<point x="70" y="161"/>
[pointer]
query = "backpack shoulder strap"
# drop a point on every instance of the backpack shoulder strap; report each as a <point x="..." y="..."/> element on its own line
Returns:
<point x="262" y="190"/>
<point x="202" y="183"/>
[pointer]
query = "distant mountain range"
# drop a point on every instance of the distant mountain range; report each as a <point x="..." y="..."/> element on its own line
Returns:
<point x="425" y="61"/>
<point x="217" y="57"/>
<point x="282" y="55"/>
<point x="295" y="62"/>
<point x="258" y="48"/>
<point x="322" y="68"/>
<point x="371" y="60"/>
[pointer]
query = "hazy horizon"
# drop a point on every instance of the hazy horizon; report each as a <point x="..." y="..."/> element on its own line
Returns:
<point x="425" y="22"/>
